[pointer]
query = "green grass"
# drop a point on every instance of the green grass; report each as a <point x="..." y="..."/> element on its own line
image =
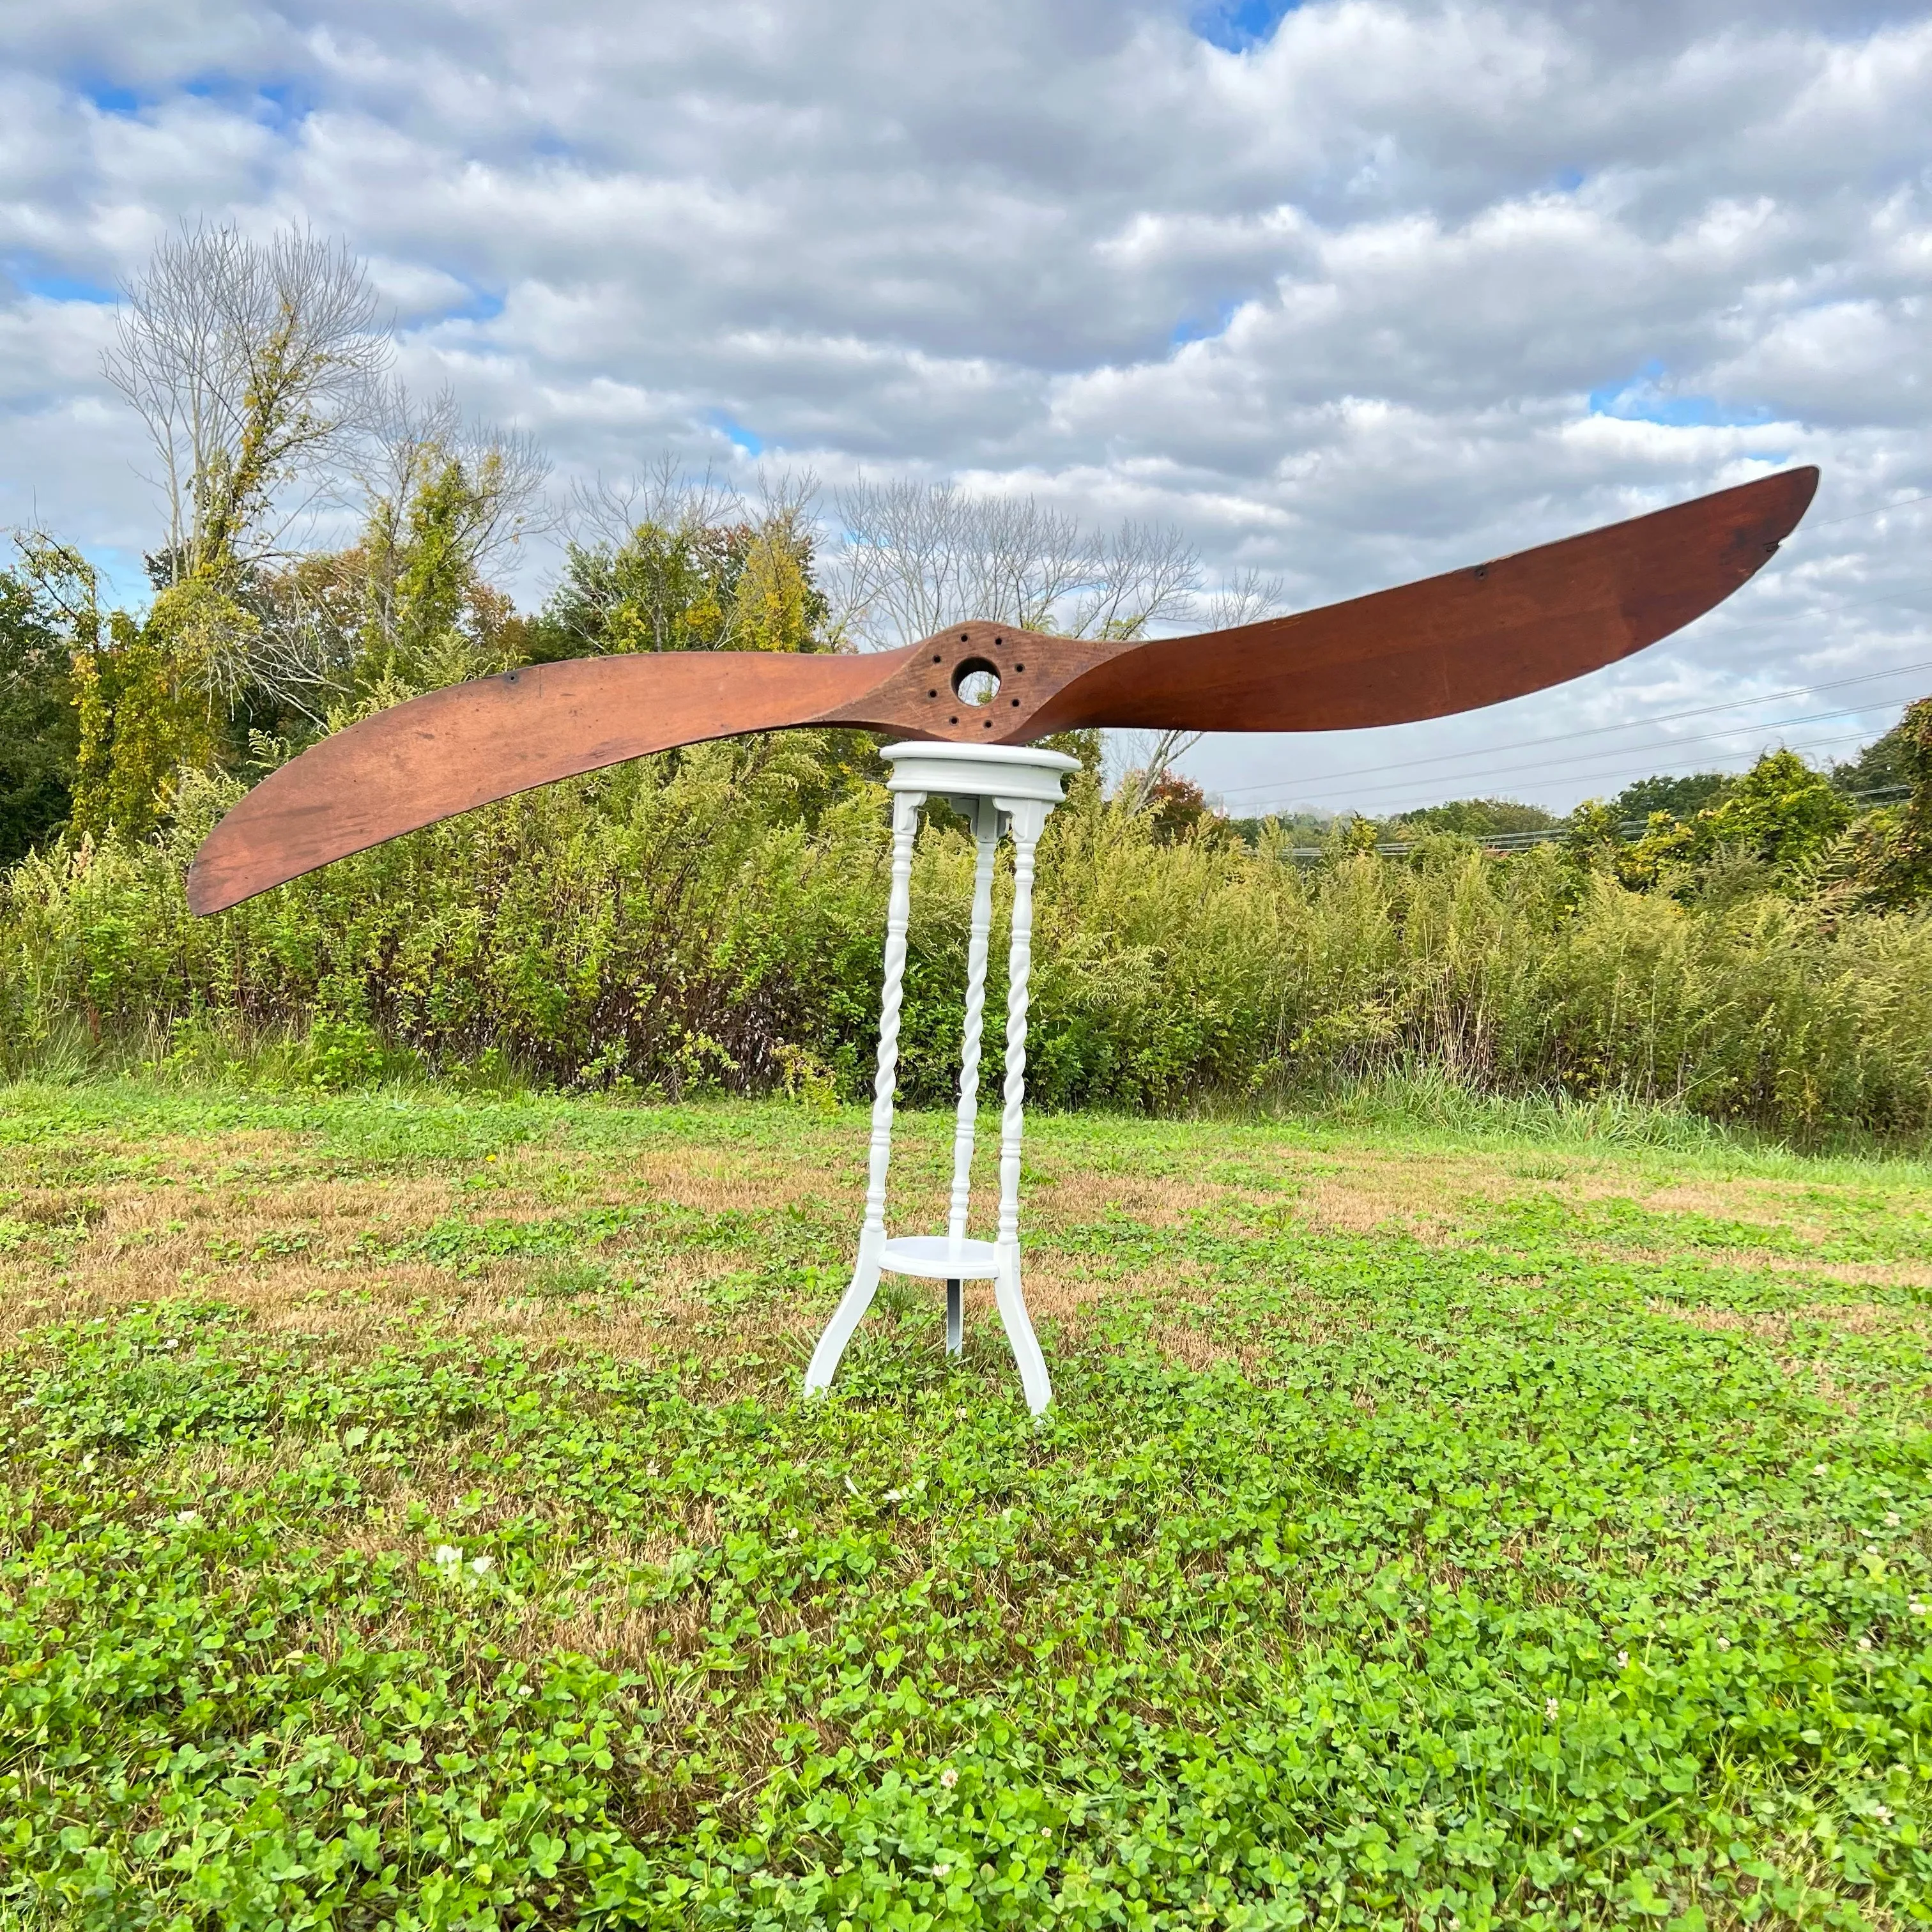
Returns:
<point x="1448" y="1518"/>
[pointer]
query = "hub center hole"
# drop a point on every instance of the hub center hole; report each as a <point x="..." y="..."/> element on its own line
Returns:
<point x="976" y="681"/>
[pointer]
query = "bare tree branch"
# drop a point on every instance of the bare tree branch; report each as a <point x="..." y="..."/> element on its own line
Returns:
<point x="318" y="616"/>
<point x="1143" y="574"/>
<point x="918" y="557"/>
<point x="249" y="363"/>
<point x="504" y="471"/>
<point x="608" y="513"/>
<point x="1247" y="598"/>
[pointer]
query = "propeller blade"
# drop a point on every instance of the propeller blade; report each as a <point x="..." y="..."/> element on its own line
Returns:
<point x="450" y="751"/>
<point x="1454" y="643"/>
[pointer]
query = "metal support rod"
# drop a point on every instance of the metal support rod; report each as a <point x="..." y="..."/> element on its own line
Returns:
<point x="986" y="838"/>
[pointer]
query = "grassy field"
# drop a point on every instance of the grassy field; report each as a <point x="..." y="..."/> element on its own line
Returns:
<point x="411" y="1520"/>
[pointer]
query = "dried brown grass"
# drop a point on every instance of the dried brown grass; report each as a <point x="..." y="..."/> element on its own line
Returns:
<point x="1846" y="1318"/>
<point x="137" y="1220"/>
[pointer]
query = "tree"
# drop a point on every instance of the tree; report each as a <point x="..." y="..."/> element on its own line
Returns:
<point x="677" y="564"/>
<point x="1884" y="765"/>
<point x="249" y="363"/>
<point x="1593" y="837"/>
<point x="1682" y="796"/>
<point x="1887" y="856"/>
<point x="1177" y="808"/>
<point x="311" y="611"/>
<point x="1777" y="818"/>
<point x="664" y="587"/>
<point x="38" y="734"/>
<point x="1780" y="812"/>
<point x="408" y="606"/>
<point x="775" y="604"/>
<point x="258" y="369"/>
<point x="253" y="365"/>
<point x="141" y="689"/>
<point x="1594" y="842"/>
<point x="1664" y="848"/>
<point x="445" y="497"/>
<point x="140" y="721"/>
<point x="1474" y="818"/>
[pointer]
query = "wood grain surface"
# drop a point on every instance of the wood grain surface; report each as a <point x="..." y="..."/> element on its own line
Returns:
<point x="1456" y="642"/>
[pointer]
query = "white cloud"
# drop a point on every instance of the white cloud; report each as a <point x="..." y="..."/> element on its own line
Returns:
<point x="1338" y="303"/>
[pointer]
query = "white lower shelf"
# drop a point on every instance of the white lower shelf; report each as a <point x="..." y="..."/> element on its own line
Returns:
<point x="939" y="1259"/>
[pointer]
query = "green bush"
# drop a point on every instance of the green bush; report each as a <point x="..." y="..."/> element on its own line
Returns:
<point x="711" y="920"/>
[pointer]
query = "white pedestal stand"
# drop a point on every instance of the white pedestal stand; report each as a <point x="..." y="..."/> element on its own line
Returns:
<point x="989" y="784"/>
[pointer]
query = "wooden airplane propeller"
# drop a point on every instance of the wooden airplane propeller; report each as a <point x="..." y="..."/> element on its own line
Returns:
<point x="1470" y="637"/>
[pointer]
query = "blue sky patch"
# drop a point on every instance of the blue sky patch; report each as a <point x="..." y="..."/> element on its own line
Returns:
<point x="1239" y="25"/>
<point x="109" y="99"/>
<point x="35" y="278"/>
<point x="288" y="101"/>
<point x="1191" y="329"/>
<point x="278" y="104"/>
<point x="477" y="305"/>
<point x="736" y="434"/>
<point x="124" y="577"/>
<point x="1646" y="397"/>
<point x="1569" y="179"/>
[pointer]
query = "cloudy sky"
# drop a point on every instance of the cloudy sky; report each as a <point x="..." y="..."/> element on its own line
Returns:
<point x="1352" y="291"/>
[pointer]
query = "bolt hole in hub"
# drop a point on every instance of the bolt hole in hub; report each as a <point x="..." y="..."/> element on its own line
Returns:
<point x="976" y="681"/>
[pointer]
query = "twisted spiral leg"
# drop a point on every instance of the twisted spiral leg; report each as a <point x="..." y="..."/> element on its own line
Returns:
<point x="1028" y="819"/>
<point x="857" y="1298"/>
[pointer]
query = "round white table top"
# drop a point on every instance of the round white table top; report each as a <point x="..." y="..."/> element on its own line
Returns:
<point x="939" y="1259"/>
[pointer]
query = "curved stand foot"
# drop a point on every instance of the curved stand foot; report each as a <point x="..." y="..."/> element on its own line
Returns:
<point x="956" y="1317"/>
<point x="850" y="1312"/>
<point x="1020" y="1337"/>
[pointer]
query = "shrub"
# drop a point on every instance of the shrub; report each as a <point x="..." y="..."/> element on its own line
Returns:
<point x="711" y="920"/>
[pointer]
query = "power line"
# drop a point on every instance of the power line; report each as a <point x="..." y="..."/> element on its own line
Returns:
<point x="1663" y="718"/>
<point x="1517" y="771"/>
<point x="1601" y="731"/>
<point x="1521" y="841"/>
<point x="1667" y="766"/>
<point x="1660" y="769"/>
<point x="1636" y="724"/>
<point x="1825" y="523"/>
<point x="1650" y="765"/>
